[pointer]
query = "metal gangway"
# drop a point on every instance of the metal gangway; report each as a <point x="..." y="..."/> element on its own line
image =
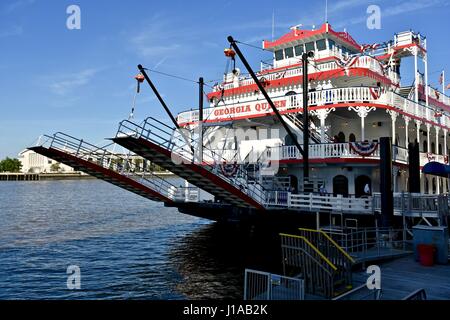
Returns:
<point x="174" y="150"/>
<point x="107" y="165"/>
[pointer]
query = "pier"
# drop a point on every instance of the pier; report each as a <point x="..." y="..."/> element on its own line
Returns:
<point x="8" y="176"/>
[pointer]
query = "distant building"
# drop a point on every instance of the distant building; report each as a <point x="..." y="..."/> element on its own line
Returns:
<point x="33" y="162"/>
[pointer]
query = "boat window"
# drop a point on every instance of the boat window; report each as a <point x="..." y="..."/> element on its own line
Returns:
<point x="321" y="45"/>
<point x="299" y="50"/>
<point x="331" y="43"/>
<point x="289" y="52"/>
<point x="279" y="55"/>
<point x="309" y="46"/>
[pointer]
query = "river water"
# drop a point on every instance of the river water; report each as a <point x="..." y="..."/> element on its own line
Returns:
<point x="127" y="247"/>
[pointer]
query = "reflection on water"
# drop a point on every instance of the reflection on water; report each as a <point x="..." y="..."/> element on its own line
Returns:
<point x="126" y="246"/>
<point x="212" y="260"/>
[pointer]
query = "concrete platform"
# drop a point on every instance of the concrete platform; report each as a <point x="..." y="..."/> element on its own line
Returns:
<point x="402" y="276"/>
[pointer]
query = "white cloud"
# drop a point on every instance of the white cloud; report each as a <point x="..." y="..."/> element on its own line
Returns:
<point x="66" y="83"/>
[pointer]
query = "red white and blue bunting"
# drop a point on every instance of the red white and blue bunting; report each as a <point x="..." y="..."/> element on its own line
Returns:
<point x="347" y="62"/>
<point x="229" y="169"/>
<point x="364" y="149"/>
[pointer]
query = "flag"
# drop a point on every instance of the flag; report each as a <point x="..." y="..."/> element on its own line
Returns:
<point x="448" y="86"/>
<point x="441" y="78"/>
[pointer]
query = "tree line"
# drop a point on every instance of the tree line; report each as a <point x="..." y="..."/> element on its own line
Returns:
<point x="10" y="165"/>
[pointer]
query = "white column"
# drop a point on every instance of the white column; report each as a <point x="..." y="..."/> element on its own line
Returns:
<point x="418" y="123"/>
<point x="362" y="113"/>
<point x="393" y="115"/>
<point x="425" y="62"/>
<point x="322" y="114"/>
<point x="445" y="142"/>
<point x="428" y="137"/>
<point x="437" y="140"/>
<point x="407" y="119"/>
<point x="416" y="77"/>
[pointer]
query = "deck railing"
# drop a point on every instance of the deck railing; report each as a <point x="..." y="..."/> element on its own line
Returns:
<point x="330" y="97"/>
<point x="371" y="243"/>
<point x="259" y="285"/>
<point x="414" y="204"/>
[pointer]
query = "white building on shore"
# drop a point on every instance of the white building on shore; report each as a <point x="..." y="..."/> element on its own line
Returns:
<point x="33" y="162"/>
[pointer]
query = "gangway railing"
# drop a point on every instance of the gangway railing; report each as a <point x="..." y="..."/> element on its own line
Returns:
<point x="332" y="250"/>
<point x="260" y="285"/>
<point x="419" y="294"/>
<point x="321" y="275"/>
<point x="365" y="244"/>
<point x="170" y="139"/>
<point x="102" y="156"/>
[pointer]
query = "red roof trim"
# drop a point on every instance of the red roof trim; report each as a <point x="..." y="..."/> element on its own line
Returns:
<point x="294" y="35"/>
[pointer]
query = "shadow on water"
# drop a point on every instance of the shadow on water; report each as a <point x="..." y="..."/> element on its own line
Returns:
<point x="211" y="260"/>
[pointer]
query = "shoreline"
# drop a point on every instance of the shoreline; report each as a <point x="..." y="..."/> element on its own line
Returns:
<point x="20" y="176"/>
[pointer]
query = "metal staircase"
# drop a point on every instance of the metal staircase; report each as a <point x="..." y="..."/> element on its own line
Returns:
<point x="171" y="149"/>
<point x="323" y="264"/>
<point x="106" y="165"/>
<point x="295" y="122"/>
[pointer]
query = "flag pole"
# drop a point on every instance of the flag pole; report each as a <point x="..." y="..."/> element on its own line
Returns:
<point x="443" y="84"/>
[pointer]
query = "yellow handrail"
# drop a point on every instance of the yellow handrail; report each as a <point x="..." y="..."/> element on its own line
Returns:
<point x="313" y="247"/>
<point x="331" y="240"/>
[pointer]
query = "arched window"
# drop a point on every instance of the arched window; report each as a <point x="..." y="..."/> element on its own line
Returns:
<point x="425" y="146"/>
<point x="341" y="137"/>
<point x="293" y="101"/>
<point x="351" y="137"/>
<point x="288" y="140"/>
<point x="363" y="186"/>
<point x="440" y="148"/>
<point x="433" y="148"/>
<point x="340" y="185"/>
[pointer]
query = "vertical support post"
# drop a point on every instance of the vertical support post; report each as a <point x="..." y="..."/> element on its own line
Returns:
<point x="387" y="210"/>
<point x="200" y="118"/>
<point x="425" y="62"/>
<point x="416" y="80"/>
<point x="363" y="138"/>
<point x="414" y="168"/>
<point x="428" y="137"/>
<point x="305" y="120"/>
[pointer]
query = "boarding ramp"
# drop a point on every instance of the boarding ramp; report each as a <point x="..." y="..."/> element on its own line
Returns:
<point x="107" y="165"/>
<point x="174" y="150"/>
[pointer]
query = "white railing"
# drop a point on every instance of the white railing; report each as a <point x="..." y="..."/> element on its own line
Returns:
<point x="366" y="62"/>
<point x="259" y="285"/>
<point x="316" y="151"/>
<point x="320" y="98"/>
<point x="319" y="203"/>
<point x="408" y="204"/>
<point x="184" y="194"/>
<point x="416" y="204"/>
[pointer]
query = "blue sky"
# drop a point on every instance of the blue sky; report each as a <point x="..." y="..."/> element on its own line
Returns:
<point x="81" y="81"/>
